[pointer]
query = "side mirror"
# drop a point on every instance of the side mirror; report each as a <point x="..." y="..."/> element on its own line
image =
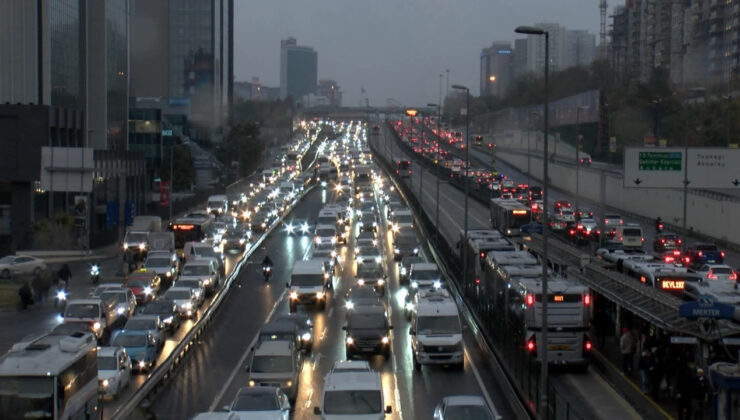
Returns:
<point x="122" y="367"/>
<point x="388" y="409"/>
<point x="317" y="411"/>
<point x="246" y="369"/>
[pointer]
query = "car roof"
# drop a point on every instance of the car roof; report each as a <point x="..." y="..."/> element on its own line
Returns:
<point x="424" y="266"/>
<point x="274" y="347"/>
<point x="257" y="390"/>
<point x="337" y="381"/>
<point x="354" y="365"/>
<point x="465" y="400"/>
<point x="369" y="310"/>
<point x="108" y="351"/>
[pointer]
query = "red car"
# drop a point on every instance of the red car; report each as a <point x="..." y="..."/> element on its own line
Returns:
<point x="144" y="285"/>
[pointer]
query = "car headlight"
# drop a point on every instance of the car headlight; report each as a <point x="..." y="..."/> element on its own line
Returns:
<point x="416" y="250"/>
<point x="414" y="284"/>
<point x="289" y="228"/>
<point x="96" y="325"/>
<point x="61" y="295"/>
<point x="105" y="383"/>
<point x="142" y="246"/>
<point x="294" y="295"/>
<point x="125" y="247"/>
<point x="120" y="310"/>
<point x="333" y="239"/>
<point x="333" y="254"/>
<point x="409" y="306"/>
<point x="403" y="271"/>
<point x="437" y="284"/>
<point x="317" y="240"/>
<point x="187" y="306"/>
<point x="147" y="290"/>
<point x="350" y="341"/>
<point x="361" y="282"/>
<point x="349" y="305"/>
<point x="168" y="320"/>
<point x="378" y="259"/>
<point x="288" y="384"/>
<point x="380" y="282"/>
<point x="168" y="273"/>
<point x="385" y="340"/>
<point x="306" y="337"/>
<point x="242" y="241"/>
<point x="396" y="251"/>
<point x="357" y="249"/>
<point x="319" y="295"/>
<point x="142" y="364"/>
<point x="251" y="383"/>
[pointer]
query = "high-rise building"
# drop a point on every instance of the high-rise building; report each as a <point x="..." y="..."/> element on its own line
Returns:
<point x="330" y="89"/>
<point x="520" y="56"/>
<point x="191" y="62"/>
<point x="298" y="69"/>
<point x="568" y="48"/>
<point x="580" y="48"/>
<point x="496" y="69"/>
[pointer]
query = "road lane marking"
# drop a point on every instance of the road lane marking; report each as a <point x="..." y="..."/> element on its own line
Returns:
<point x="308" y="398"/>
<point x="315" y="363"/>
<point x="331" y="312"/>
<point x="244" y="356"/>
<point x="481" y="385"/>
<point x="323" y="333"/>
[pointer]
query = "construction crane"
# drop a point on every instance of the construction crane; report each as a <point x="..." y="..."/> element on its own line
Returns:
<point x="602" y="31"/>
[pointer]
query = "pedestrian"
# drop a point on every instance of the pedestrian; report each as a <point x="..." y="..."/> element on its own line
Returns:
<point x="37" y="286"/>
<point x="701" y="394"/>
<point x="25" y="294"/>
<point x="645" y="364"/>
<point x="627" y="348"/>
<point x="65" y="274"/>
<point x="684" y="392"/>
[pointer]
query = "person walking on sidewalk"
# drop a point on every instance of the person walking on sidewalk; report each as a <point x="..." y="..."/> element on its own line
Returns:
<point x="627" y="348"/>
<point x="645" y="364"/>
<point x="701" y="394"/>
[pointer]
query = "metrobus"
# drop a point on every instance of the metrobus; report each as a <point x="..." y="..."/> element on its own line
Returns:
<point x="191" y="228"/>
<point x="508" y="216"/>
<point x="478" y="249"/>
<point x="52" y="376"/>
<point x="517" y="302"/>
<point x="670" y="278"/>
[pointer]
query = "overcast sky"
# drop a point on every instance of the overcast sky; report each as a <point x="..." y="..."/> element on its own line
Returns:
<point x="393" y="48"/>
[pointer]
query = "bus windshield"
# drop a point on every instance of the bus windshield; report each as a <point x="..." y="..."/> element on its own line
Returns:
<point x="438" y="325"/>
<point x="26" y="397"/>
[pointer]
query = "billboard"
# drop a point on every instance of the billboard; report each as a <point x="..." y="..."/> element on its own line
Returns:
<point x="650" y="167"/>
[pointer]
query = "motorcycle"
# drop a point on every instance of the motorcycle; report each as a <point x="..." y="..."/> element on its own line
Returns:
<point x="95" y="273"/>
<point x="60" y="298"/>
<point x="266" y="272"/>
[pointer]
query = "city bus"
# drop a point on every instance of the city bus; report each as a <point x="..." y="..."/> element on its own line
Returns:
<point x="191" y="228"/>
<point x="508" y="216"/>
<point x="52" y="376"/>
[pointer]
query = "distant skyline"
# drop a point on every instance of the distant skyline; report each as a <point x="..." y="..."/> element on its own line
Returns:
<point x="394" y="49"/>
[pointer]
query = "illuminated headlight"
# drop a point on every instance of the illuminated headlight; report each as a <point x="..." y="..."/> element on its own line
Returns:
<point x="357" y="249"/>
<point x="168" y="320"/>
<point x="414" y="285"/>
<point x="289" y="384"/>
<point x="350" y="341"/>
<point x="437" y="284"/>
<point x="208" y="209"/>
<point x="319" y="295"/>
<point x="380" y="282"/>
<point x="360" y="223"/>
<point x="378" y="259"/>
<point x="395" y="228"/>
<point x="306" y="337"/>
<point x="168" y="273"/>
<point x="206" y="282"/>
<point x="142" y="246"/>
<point x="187" y="306"/>
<point x="96" y="326"/>
<point x="333" y="254"/>
<point x="349" y="305"/>
<point x="317" y="240"/>
<point x="323" y="184"/>
<point x="147" y="290"/>
<point x="264" y="224"/>
<point x="396" y="251"/>
<point x="105" y="383"/>
<point x="216" y="249"/>
<point x="385" y="340"/>
<point x="304" y="228"/>
<point x="333" y="239"/>
<point x="403" y="271"/>
<point x="242" y="241"/>
<point x="120" y="310"/>
<point x="294" y="295"/>
<point x="416" y="251"/>
<point x="125" y="247"/>
<point x="409" y="306"/>
<point x="61" y="295"/>
<point x="142" y="364"/>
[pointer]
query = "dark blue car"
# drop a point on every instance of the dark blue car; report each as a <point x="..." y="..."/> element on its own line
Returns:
<point x="531" y="227"/>
<point x="140" y="345"/>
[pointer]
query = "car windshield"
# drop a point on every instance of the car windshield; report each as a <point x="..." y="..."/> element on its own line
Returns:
<point x="425" y="275"/>
<point x="107" y="363"/>
<point x="195" y="270"/>
<point x="404" y="218"/>
<point x="438" y="325"/>
<point x="306" y="280"/>
<point x="721" y="270"/>
<point x="137" y="283"/>
<point x="158" y="262"/>
<point x="353" y="402"/>
<point x="467" y="412"/>
<point x="272" y="364"/>
<point x="256" y="402"/>
<point x="79" y="310"/>
<point x="140" y="324"/>
<point x="374" y="321"/>
<point x="368" y="250"/>
<point x="325" y="232"/>
<point x="178" y="294"/>
<point x="371" y="272"/>
<point x="157" y="307"/>
<point x="632" y="232"/>
<point x="205" y="251"/>
<point x="136" y="237"/>
<point x="130" y="340"/>
<point x="193" y="284"/>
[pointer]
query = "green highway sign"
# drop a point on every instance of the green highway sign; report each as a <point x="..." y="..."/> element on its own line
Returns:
<point x="660" y="161"/>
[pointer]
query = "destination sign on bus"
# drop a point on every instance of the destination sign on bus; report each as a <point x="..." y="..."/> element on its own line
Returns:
<point x="558" y="298"/>
<point x="519" y="212"/>
<point x="183" y="227"/>
<point x="672" y="284"/>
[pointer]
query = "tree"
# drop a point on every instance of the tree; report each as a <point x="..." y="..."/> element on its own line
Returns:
<point x="244" y="145"/>
<point x="183" y="171"/>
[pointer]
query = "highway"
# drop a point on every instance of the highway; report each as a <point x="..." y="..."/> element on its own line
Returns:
<point x="211" y="376"/>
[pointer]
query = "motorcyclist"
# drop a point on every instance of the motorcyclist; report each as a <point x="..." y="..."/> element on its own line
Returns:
<point x="658" y="224"/>
<point x="266" y="267"/>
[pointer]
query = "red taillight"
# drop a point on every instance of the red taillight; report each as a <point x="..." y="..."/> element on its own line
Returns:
<point x="678" y="241"/>
<point x="733" y="276"/>
<point x="568" y="205"/>
<point x="579" y="227"/>
<point x="530" y="300"/>
<point x="621" y="222"/>
<point x="396" y="171"/>
<point x="711" y="275"/>
<point x="642" y="240"/>
<point x="482" y="254"/>
<point x="477" y="280"/>
<point x="586" y="299"/>
<point x="588" y="346"/>
<point x="668" y="259"/>
<point x="722" y="254"/>
<point x="699" y="254"/>
<point x="531" y="345"/>
<point x="662" y="241"/>
<point x="572" y="232"/>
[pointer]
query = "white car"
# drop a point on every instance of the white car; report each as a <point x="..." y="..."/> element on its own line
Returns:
<point x="185" y="300"/>
<point x="470" y="407"/>
<point x="114" y="370"/>
<point x="260" y="403"/>
<point x="351" y="366"/>
<point x="12" y="265"/>
<point x="716" y="272"/>
<point x="567" y="216"/>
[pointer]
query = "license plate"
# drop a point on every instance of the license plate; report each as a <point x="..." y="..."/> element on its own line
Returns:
<point x="368" y="349"/>
<point x="559" y="347"/>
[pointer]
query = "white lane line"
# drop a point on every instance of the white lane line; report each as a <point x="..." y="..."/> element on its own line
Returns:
<point x="331" y="312"/>
<point x="481" y="385"/>
<point x="308" y="398"/>
<point x="396" y="392"/>
<point x="323" y="333"/>
<point x="315" y="363"/>
<point x="243" y="359"/>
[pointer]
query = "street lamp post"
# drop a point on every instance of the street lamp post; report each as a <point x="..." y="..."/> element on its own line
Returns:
<point x="439" y="131"/>
<point x="530" y="30"/>
<point x="579" y="142"/>
<point x="467" y="175"/>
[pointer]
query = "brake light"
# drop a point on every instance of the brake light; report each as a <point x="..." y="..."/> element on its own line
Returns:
<point x="586" y="299"/>
<point x="722" y="254"/>
<point x="579" y="227"/>
<point x="568" y="205"/>
<point x="733" y="276"/>
<point x="662" y="241"/>
<point x="699" y="254"/>
<point x="530" y="300"/>
<point x="477" y="280"/>
<point x="711" y="275"/>
<point x="621" y="222"/>
<point x="678" y="241"/>
<point x="668" y="259"/>
<point x="587" y="345"/>
<point x="642" y="240"/>
<point x="482" y="254"/>
<point x="531" y="345"/>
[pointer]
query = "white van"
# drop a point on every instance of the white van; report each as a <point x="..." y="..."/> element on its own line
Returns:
<point x="217" y="205"/>
<point x="352" y="395"/>
<point x="630" y="236"/>
<point x="436" y="333"/>
<point x="309" y="284"/>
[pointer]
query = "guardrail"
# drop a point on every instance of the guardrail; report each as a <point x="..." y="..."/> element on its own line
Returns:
<point x="446" y="267"/>
<point x="163" y="372"/>
<point x="520" y="370"/>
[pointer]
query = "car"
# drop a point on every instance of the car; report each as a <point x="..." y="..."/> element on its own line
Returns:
<point x="351" y="366"/>
<point x="353" y="395"/>
<point x="297" y="227"/>
<point x="566" y="215"/>
<point x="261" y="220"/>
<point x="583" y="213"/>
<point x="368" y="331"/>
<point x="166" y="310"/>
<point x="124" y="299"/>
<point x="114" y="370"/>
<point x="585" y="160"/>
<point x="405" y="268"/>
<point x="371" y="275"/>
<point x="102" y="288"/>
<point x="716" y="272"/>
<point x="611" y="221"/>
<point x="185" y="301"/>
<point x="260" y="403"/>
<point x="367" y="254"/>
<point x="703" y="253"/>
<point x="304" y="325"/>
<point x="203" y="270"/>
<point x="152" y="324"/>
<point x="365" y="239"/>
<point x="13" y="265"/>
<point x="140" y="345"/>
<point x="361" y="296"/>
<point x="469" y="407"/>
<point x="196" y="250"/>
<point x="559" y="204"/>
<point x="587" y="229"/>
<point x="275" y="363"/>
<point x="280" y="330"/>
<point x="235" y="238"/>
<point x="405" y="244"/>
<point x="144" y="284"/>
<point x="666" y="241"/>
<point x="164" y="264"/>
<point x="368" y="223"/>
